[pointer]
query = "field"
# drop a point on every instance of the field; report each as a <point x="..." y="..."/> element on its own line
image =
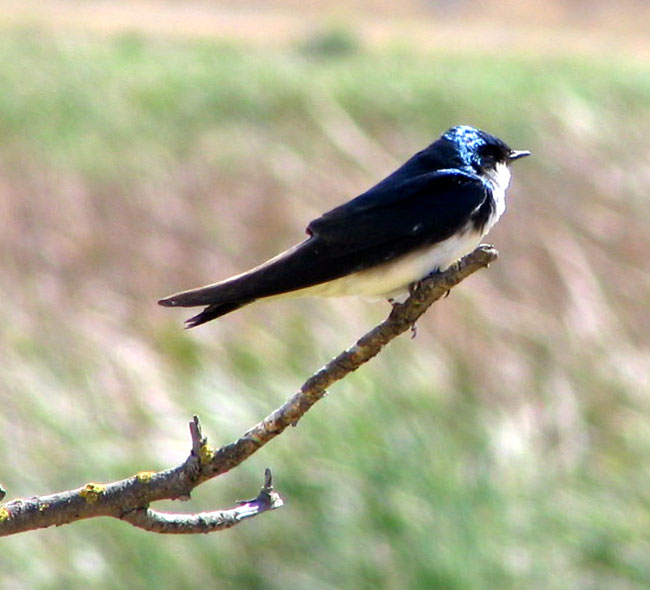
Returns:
<point x="506" y="446"/>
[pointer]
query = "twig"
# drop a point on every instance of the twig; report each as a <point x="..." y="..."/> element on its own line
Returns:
<point x="129" y="499"/>
<point x="206" y="522"/>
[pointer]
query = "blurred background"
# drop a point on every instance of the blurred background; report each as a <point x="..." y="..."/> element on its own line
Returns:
<point x="148" y="147"/>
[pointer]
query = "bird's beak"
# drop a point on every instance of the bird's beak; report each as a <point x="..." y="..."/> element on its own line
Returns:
<point x="516" y="154"/>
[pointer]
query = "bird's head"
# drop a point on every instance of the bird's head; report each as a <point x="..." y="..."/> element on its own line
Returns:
<point x="482" y="152"/>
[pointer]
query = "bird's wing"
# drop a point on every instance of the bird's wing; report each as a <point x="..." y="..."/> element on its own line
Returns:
<point x="419" y="211"/>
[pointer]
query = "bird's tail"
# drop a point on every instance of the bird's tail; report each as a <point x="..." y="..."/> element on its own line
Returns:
<point x="287" y="272"/>
<point x="220" y="299"/>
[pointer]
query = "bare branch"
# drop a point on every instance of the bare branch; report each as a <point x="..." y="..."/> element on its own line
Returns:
<point x="129" y="499"/>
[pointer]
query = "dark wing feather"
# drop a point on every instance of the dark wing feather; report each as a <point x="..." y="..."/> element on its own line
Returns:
<point x="376" y="227"/>
<point x="427" y="209"/>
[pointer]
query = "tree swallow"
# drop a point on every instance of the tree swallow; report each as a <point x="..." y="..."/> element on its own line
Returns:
<point x="423" y="217"/>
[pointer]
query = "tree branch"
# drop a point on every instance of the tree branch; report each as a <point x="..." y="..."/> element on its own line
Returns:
<point x="129" y="499"/>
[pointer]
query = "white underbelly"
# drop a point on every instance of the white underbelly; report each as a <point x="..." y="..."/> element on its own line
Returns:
<point x="393" y="278"/>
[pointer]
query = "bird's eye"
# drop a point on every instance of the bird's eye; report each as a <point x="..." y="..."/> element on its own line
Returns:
<point x="490" y="155"/>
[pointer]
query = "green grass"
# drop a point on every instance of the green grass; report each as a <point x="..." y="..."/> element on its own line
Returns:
<point x="505" y="447"/>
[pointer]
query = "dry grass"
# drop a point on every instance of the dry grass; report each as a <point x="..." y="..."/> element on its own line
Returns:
<point x="495" y="27"/>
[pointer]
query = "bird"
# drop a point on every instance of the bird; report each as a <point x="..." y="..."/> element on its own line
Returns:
<point x="420" y="219"/>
